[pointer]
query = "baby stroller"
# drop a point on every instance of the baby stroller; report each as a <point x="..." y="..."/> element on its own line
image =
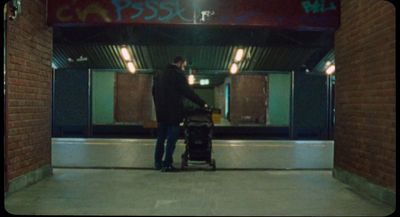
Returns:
<point x="198" y="127"/>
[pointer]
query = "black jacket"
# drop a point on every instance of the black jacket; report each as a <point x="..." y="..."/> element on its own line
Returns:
<point x="169" y="88"/>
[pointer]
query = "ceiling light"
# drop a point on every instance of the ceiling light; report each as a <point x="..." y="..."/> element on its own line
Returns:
<point x="131" y="67"/>
<point x="191" y="79"/>
<point x="328" y="63"/>
<point x="204" y="82"/>
<point x="239" y="55"/>
<point x="234" y="68"/>
<point x="125" y="54"/>
<point x="330" y="70"/>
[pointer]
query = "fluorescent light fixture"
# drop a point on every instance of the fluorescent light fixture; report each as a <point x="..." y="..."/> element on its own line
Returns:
<point x="125" y="54"/>
<point x="131" y="67"/>
<point x="239" y="55"/>
<point x="234" y="68"/>
<point x="191" y="79"/>
<point x="330" y="70"/>
<point x="328" y="63"/>
<point x="204" y="82"/>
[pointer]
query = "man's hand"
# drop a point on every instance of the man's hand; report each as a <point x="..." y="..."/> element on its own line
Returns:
<point x="207" y="108"/>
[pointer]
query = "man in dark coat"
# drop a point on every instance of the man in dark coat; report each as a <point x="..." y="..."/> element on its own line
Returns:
<point x="169" y="88"/>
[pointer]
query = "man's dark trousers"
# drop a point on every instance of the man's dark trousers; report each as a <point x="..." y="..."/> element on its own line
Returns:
<point x="171" y="133"/>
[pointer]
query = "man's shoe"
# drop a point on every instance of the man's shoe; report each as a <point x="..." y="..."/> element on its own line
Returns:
<point x="169" y="168"/>
<point x="157" y="166"/>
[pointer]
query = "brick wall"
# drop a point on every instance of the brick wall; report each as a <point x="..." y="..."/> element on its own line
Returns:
<point x="365" y="133"/>
<point x="133" y="98"/>
<point x="29" y="77"/>
<point x="248" y="99"/>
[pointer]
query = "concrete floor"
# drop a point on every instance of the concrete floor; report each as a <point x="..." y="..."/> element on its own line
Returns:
<point x="232" y="193"/>
<point x="306" y="192"/>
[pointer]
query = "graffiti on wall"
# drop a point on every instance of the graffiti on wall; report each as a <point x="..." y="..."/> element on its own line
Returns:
<point x="318" y="6"/>
<point x="303" y="13"/>
<point x="67" y="12"/>
<point x="154" y="8"/>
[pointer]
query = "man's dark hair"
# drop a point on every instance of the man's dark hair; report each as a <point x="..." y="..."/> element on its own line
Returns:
<point x="179" y="59"/>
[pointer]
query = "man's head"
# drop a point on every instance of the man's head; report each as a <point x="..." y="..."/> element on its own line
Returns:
<point x="180" y="62"/>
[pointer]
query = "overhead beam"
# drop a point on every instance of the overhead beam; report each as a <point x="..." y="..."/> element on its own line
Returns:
<point x="199" y="72"/>
<point x="191" y="35"/>
<point x="306" y="15"/>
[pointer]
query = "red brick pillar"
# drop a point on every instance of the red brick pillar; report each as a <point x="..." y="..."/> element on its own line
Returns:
<point x="28" y="94"/>
<point x="365" y="132"/>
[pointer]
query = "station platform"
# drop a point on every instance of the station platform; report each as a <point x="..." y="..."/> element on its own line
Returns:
<point x="253" y="178"/>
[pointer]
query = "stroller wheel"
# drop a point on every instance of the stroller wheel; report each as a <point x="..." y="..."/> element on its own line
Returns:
<point x="213" y="164"/>
<point x="183" y="166"/>
<point x="184" y="162"/>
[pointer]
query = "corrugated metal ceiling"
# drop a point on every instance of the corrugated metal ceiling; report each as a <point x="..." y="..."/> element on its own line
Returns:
<point x="209" y="50"/>
<point x="201" y="58"/>
<point x="321" y="66"/>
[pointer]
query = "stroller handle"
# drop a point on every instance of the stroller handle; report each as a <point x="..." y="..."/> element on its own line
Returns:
<point x="208" y="110"/>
